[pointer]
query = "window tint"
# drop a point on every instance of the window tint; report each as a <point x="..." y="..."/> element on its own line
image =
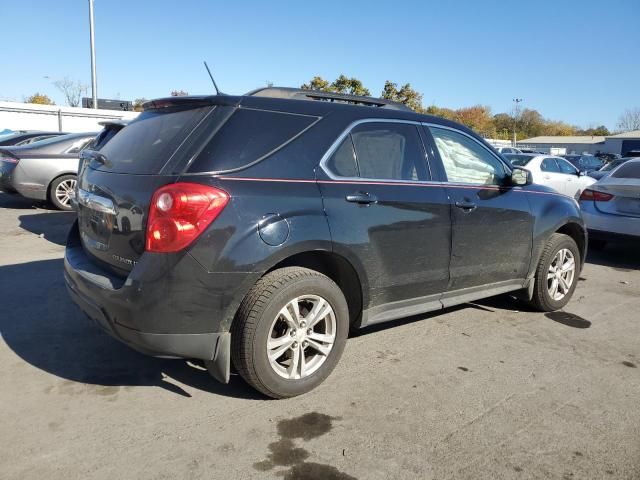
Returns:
<point x="343" y="160"/>
<point x="550" y="165"/>
<point x="389" y="151"/>
<point x="566" y="167"/>
<point x="628" y="170"/>
<point x="150" y="140"/>
<point x="247" y="136"/>
<point x="467" y="161"/>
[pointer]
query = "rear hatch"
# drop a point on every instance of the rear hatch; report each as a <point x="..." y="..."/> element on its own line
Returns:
<point x="116" y="183"/>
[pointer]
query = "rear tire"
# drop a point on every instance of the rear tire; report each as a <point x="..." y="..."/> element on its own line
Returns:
<point x="61" y="191"/>
<point x="270" y="348"/>
<point x="557" y="273"/>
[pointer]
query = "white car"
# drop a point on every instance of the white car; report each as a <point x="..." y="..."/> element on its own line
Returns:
<point x="611" y="207"/>
<point x="554" y="172"/>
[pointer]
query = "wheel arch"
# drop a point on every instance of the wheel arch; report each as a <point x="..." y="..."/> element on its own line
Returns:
<point x="578" y="234"/>
<point x="338" y="269"/>
<point x="57" y="176"/>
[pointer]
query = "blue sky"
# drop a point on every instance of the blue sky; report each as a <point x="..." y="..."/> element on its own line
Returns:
<point x="577" y="61"/>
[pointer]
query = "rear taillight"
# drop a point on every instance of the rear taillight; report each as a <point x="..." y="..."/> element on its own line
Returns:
<point x="180" y="212"/>
<point x="595" y="196"/>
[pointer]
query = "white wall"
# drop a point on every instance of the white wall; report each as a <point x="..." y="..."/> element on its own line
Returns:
<point x="30" y="116"/>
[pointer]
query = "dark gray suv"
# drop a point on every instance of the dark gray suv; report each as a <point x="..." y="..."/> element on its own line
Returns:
<point x="255" y="231"/>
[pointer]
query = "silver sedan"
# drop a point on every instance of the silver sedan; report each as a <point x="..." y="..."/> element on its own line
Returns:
<point x="611" y="207"/>
<point x="44" y="170"/>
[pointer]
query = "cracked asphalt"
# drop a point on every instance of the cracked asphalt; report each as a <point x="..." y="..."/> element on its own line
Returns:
<point x="488" y="390"/>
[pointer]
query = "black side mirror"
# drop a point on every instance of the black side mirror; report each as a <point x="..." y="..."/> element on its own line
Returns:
<point x="521" y="177"/>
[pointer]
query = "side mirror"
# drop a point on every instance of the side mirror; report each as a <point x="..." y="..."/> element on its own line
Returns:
<point x="521" y="177"/>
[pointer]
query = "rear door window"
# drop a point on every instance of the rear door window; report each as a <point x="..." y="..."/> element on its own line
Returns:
<point x="389" y="151"/>
<point x="247" y="137"/>
<point x="628" y="170"/>
<point x="343" y="160"/>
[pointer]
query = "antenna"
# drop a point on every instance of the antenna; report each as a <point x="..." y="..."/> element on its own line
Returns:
<point x="214" y="82"/>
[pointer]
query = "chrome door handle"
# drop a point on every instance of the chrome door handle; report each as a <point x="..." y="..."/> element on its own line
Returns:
<point x="466" y="206"/>
<point x="363" y="198"/>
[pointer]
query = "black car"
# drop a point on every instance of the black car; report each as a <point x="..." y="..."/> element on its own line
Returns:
<point x="26" y="137"/>
<point x="584" y="163"/>
<point x="268" y="225"/>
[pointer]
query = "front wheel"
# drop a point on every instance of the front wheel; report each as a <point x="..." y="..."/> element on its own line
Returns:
<point x="289" y="332"/>
<point x="557" y="273"/>
<point x="61" y="191"/>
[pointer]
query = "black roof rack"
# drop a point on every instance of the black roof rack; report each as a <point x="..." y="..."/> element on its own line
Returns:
<point x="300" y="94"/>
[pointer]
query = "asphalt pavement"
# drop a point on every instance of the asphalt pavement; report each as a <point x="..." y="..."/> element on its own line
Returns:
<point x="488" y="390"/>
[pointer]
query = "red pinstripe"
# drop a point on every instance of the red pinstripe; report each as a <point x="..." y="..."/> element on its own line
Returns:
<point x="373" y="182"/>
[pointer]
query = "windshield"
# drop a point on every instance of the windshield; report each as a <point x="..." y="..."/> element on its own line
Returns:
<point x="628" y="170"/>
<point x="518" y="160"/>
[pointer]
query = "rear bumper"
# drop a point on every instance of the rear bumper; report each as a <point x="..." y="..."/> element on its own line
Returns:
<point x="165" y="307"/>
<point x="612" y="224"/>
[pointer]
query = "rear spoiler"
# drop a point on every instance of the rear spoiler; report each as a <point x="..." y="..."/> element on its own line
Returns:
<point x="119" y="123"/>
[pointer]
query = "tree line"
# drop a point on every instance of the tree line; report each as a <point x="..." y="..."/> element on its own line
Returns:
<point x="528" y="122"/>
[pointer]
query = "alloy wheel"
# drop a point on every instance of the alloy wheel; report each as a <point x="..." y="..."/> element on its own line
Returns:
<point x="301" y="337"/>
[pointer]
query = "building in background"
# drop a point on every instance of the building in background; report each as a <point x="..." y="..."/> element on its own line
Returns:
<point x="557" y="145"/>
<point x="31" y="116"/>
<point x="623" y="142"/>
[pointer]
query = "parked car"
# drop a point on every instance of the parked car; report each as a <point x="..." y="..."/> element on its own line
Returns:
<point x="608" y="168"/>
<point x="529" y="150"/>
<point x="584" y="163"/>
<point x="264" y="246"/>
<point x="25" y="137"/>
<point x="554" y="172"/>
<point x="504" y="150"/>
<point x="632" y="153"/>
<point x="608" y="157"/>
<point x="611" y="207"/>
<point x="45" y="170"/>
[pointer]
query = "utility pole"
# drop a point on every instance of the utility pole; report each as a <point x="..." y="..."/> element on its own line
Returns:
<point x="94" y="80"/>
<point x="516" y="112"/>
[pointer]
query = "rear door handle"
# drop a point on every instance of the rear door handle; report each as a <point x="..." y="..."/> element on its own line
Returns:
<point x="466" y="206"/>
<point x="362" y="198"/>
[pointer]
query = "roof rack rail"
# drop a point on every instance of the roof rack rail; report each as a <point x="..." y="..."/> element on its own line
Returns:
<point x="300" y="94"/>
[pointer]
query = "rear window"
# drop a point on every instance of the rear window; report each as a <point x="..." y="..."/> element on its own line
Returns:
<point x="628" y="170"/>
<point x="518" y="160"/>
<point x="149" y="141"/>
<point x="247" y="137"/>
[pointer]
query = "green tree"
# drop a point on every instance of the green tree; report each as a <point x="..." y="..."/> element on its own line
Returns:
<point x="342" y="84"/>
<point x="40" y="99"/>
<point x="406" y="95"/>
<point x="349" y="86"/>
<point x="317" y="83"/>
<point x="137" y="104"/>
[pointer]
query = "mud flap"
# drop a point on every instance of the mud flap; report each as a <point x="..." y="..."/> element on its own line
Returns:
<point x="220" y="367"/>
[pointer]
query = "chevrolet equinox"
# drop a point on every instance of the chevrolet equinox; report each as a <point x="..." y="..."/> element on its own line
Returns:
<point x="258" y="230"/>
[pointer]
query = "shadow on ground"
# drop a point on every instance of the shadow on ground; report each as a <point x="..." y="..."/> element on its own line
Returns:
<point x="53" y="226"/>
<point x="44" y="328"/>
<point x="624" y="257"/>
<point x="18" y="202"/>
